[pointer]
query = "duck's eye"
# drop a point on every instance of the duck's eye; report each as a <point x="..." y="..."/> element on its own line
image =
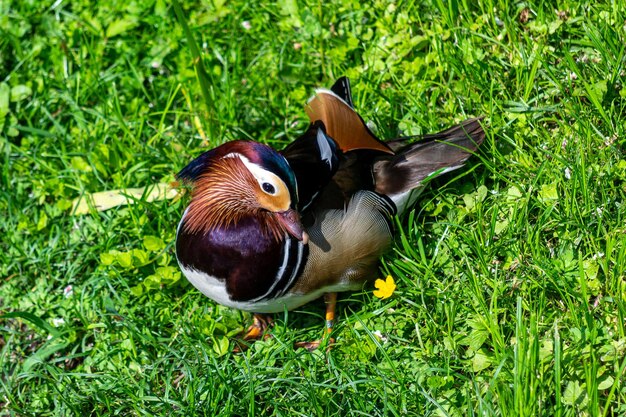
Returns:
<point x="268" y="188"/>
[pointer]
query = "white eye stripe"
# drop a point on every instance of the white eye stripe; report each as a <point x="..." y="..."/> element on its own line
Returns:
<point x="262" y="175"/>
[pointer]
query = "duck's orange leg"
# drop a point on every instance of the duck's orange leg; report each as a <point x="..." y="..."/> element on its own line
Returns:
<point x="260" y="323"/>
<point x="331" y="303"/>
<point x="256" y="331"/>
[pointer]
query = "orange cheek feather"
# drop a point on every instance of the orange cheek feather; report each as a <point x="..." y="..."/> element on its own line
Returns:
<point x="275" y="203"/>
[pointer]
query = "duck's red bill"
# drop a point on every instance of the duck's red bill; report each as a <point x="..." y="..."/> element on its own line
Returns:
<point x="290" y="219"/>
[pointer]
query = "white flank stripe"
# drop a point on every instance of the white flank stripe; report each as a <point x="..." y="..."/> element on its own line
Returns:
<point x="294" y="273"/>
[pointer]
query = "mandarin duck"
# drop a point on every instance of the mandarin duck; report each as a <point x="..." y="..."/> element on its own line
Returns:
<point x="267" y="231"/>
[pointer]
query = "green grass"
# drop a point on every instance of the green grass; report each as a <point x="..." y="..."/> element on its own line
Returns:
<point x="511" y="274"/>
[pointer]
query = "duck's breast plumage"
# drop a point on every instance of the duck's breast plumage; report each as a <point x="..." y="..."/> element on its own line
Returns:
<point x="240" y="263"/>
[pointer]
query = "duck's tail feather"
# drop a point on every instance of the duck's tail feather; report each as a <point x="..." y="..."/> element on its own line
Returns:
<point x="402" y="176"/>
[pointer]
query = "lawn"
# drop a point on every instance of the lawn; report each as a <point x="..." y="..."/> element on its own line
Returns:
<point x="510" y="273"/>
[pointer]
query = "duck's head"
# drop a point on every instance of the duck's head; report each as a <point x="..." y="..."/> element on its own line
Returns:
<point x="241" y="179"/>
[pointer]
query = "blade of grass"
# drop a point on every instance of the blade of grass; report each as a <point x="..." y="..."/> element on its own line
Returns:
<point x="203" y="78"/>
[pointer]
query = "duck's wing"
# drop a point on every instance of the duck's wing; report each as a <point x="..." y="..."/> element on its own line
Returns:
<point x="314" y="158"/>
<point x="413" y="165"/>
<point x="335" y="154"/>
<point x="334" y="108"/>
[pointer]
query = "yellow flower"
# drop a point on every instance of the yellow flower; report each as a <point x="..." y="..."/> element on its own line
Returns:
<point x="385" y="288"/>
